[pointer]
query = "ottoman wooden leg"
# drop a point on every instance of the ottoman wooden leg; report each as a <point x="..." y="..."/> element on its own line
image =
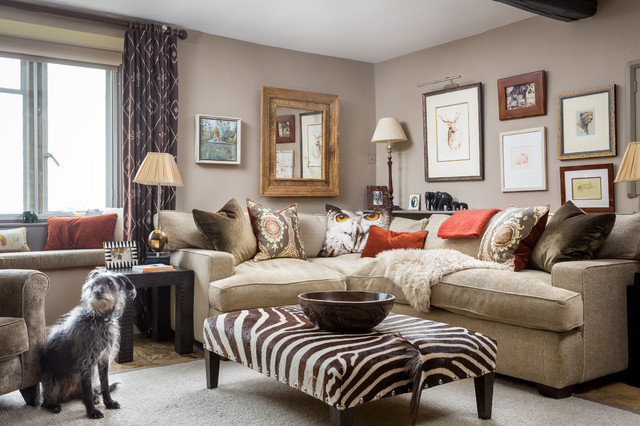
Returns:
<point x="212" y="367"/>
<point x="341" y="417"/>
<point x="484" y="395"/>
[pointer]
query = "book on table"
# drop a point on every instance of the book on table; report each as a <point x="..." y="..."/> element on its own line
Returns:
<point x="151" y="267"/>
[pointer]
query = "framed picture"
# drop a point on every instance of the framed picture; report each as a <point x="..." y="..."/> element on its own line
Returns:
<point x="414" y="202"/>
<point x="587" y="123"/>
<point x="120" y="254"/>
<point x="285" y="129"/>
<point x="312" y="147"/>
<point x="284" y="164"/>
<point x="453" y="135"/>
<point x="217" y="139"/>
<point x="377" y="197"/>
<point x="523" y="165"/>
<point x="589" y="187"/>
<point x="522" y="96"/>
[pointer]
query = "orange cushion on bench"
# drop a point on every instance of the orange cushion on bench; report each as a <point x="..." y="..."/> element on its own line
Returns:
<point x="69" y="233"/>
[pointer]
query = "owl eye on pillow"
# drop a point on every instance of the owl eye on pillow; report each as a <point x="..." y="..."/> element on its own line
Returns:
<point x="347" y="232"/>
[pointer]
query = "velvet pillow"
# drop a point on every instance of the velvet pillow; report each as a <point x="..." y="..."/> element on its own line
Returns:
<point x="571" y="235"/>
<point x="380" y="240"/>
<point x="227" y="230"/>
<point x="347" y="232"/>
<point x="466" y="223"/>
<point x="512" y="234"/>
<point x="278" y="232"/>
<point x="13" y="240"/>
<point x="69" y="233"/>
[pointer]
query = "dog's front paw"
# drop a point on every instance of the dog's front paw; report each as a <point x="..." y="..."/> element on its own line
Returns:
<point x="54" y="408"/>
<point x="95" y="414"/>
<point x="113" y="405"/>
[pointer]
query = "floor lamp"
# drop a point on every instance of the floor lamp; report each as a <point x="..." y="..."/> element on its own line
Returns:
<point x="158" y="168"/>
<point x="389" y="130"/>
<point x="629" y="170"/>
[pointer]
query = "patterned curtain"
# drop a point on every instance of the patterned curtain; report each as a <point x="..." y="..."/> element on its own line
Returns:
<point x="150" y="124"/>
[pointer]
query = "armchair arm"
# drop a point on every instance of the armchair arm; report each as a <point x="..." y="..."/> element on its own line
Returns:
<point x="602" y="283"/>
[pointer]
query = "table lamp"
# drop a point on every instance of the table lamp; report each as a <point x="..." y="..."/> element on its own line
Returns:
<point x="629" y="170"/>
<point x="389" y="130"/>
<point x="158" y="169"/>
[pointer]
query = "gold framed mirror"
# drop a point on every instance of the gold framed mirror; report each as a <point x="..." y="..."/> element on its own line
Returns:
<point x="298" y="143"/>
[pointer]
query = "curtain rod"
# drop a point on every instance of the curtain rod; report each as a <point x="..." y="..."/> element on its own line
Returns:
<point x="76" y="14"/>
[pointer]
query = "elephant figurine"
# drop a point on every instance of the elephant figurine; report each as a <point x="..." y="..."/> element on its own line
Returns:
<point x="430" y="200"/>
<point x="455" y="205"/>
<point x="464" y="206"/>
<point x="29" y="216"/>
<point x="444" y="201"/>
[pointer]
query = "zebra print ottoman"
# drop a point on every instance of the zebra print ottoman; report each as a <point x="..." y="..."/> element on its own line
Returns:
<point x="347" y="369"/>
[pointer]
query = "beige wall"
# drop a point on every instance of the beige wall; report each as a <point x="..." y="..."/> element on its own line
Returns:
<point x="576" y="56"/>
<point x="221" y="76"/>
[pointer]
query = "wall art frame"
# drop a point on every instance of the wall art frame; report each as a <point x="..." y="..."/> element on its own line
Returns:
<point x="311" y="140"/>
<point x="453" y="134"/>
<point x="414" y="202"/>
<point x="377" y="197"/>
<point x="284" y="164"/>
<point x="523" y="95"/>
<point x="523" y="165"/>
<point x="285" y="128"/>
<point x="218" y="139"/>
<point x="589" y="187"/>
<point x="120" y="254"/>
<point x="587" y="123"/>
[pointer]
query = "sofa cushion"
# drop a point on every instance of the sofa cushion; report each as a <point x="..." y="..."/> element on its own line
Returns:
<point x="466" y="223"/>
<point x="227" y="230"/>
<point x="14" y="338"/>
<point x="571" y="235"/>
<point x="512" y="234"/>
<point x="68" y="233"/>
<point x="402" y="224"/>
<point x="12" y="240"/>
<point x="277" y="232"/>
<point x="271" y="283"/>
<point x="314" y="229"/>
<point x="381" y="240"/>
<point x="181" y="230"/>
<point x="624" y="240"/>
<point x="468" y="246"/>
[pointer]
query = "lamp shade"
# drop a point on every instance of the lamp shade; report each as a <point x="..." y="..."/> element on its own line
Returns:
<point x="158" y="168"/>
<point x="389" y="130"/>
<point x="630" y="166"/>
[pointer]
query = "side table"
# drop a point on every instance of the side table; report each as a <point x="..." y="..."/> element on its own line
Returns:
<point x="633" y="331"/>
<point x="160" y="281"/>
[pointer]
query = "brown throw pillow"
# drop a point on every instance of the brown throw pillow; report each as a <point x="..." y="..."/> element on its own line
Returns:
<point x="571" y="235"/>
<point x="278" y="232"/>
<point x="227" y="230"/>
<point x="71" y="233"/>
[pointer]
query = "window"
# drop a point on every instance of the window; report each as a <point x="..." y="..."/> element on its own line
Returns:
<point x="59" y="144"/>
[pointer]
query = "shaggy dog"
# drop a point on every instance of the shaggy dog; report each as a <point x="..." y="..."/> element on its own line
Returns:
<point x="85" y="339"/>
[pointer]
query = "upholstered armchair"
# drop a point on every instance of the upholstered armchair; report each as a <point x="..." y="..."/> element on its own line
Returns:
<point x="22" y="330"/>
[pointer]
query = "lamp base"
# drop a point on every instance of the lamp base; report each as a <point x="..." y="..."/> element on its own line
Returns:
<point x="157" y="257"/>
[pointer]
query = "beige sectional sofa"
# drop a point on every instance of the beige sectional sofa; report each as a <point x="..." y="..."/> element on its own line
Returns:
<point x="555" y="329"/>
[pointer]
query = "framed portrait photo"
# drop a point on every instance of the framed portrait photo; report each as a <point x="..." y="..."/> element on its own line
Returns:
<point x="414" y="202"/>
<point x="120" y="254"/>
<point x="523" y="160"/>
<point x="217" y="139"/>
<point x="522" y="96"/>
<point x="377" y="197"/>
<point x="453" y="135"/>
<point x="285" y="129"/>
<point x="587" y="123"/>
<point x="589" y="187"/>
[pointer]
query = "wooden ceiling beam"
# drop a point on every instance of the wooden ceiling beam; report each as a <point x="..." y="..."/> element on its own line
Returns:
<point x="562" y="10"/>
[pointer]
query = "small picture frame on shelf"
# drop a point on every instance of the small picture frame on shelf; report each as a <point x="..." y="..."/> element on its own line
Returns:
<point x="377" y="197"/>
<point x="414" y="202"/>
<point x="120" y="254"/>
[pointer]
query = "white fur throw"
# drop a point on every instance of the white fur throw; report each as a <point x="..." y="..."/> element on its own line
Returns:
<point x="415" y="271"/>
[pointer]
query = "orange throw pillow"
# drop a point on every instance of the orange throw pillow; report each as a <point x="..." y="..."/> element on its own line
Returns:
<point x="381" y="240"/>
<point x="466" y="223"/>
<point x="68" y="233"/>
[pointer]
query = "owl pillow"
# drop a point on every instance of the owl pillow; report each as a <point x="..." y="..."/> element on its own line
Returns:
<point x="347" y="232"/>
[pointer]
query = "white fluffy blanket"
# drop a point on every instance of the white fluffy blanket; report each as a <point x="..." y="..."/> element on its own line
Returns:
<point x="415" y="271"/>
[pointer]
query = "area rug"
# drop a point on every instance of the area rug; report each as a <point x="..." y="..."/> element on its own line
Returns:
<point x="177" y="394"/>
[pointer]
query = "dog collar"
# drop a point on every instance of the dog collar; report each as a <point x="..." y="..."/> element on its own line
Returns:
<point x="93" y="320"/>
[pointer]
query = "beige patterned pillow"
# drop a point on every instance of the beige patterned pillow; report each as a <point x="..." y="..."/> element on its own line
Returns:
<point x="278" y="232"/>
<point x="13" y="240"/>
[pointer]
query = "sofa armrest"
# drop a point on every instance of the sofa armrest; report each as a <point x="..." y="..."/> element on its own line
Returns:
<point x="602" y="284"/>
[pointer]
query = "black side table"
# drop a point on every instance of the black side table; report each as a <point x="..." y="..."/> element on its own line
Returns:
<point x="160" y="281"/>
<point x="633" y="331"/>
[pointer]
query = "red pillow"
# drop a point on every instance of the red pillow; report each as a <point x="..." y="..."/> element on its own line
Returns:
<point x="67" y="233"/>
<point x="466" y="223"/>
<point x="381" y="240"/>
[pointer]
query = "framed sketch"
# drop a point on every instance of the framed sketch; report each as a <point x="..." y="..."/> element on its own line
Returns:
<point x="414" y="202"/>
<point x="522" y="96"/>
<point x="284" y="164"/>
<point x="285" y="129"/>
<point x="523" y="165"/>
<point x="589" y="187"/>
<point x="120" y="254"/>
<point x="587" y="123"/>
<point x="453" y="135"/>
<point x="312" y="147"/>
<point x="217" y="139"/>
<point x="377" y="197"/>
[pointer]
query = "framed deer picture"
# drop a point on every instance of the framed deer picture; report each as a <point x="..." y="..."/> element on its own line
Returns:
<point x="453" y="136"/>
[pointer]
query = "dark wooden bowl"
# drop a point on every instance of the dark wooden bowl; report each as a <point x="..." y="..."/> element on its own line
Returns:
<point x="348" y="311"/>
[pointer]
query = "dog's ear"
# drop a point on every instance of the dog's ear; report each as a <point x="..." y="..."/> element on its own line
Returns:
<point x="94" y="274"/>
<point x="127" y="286"/>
